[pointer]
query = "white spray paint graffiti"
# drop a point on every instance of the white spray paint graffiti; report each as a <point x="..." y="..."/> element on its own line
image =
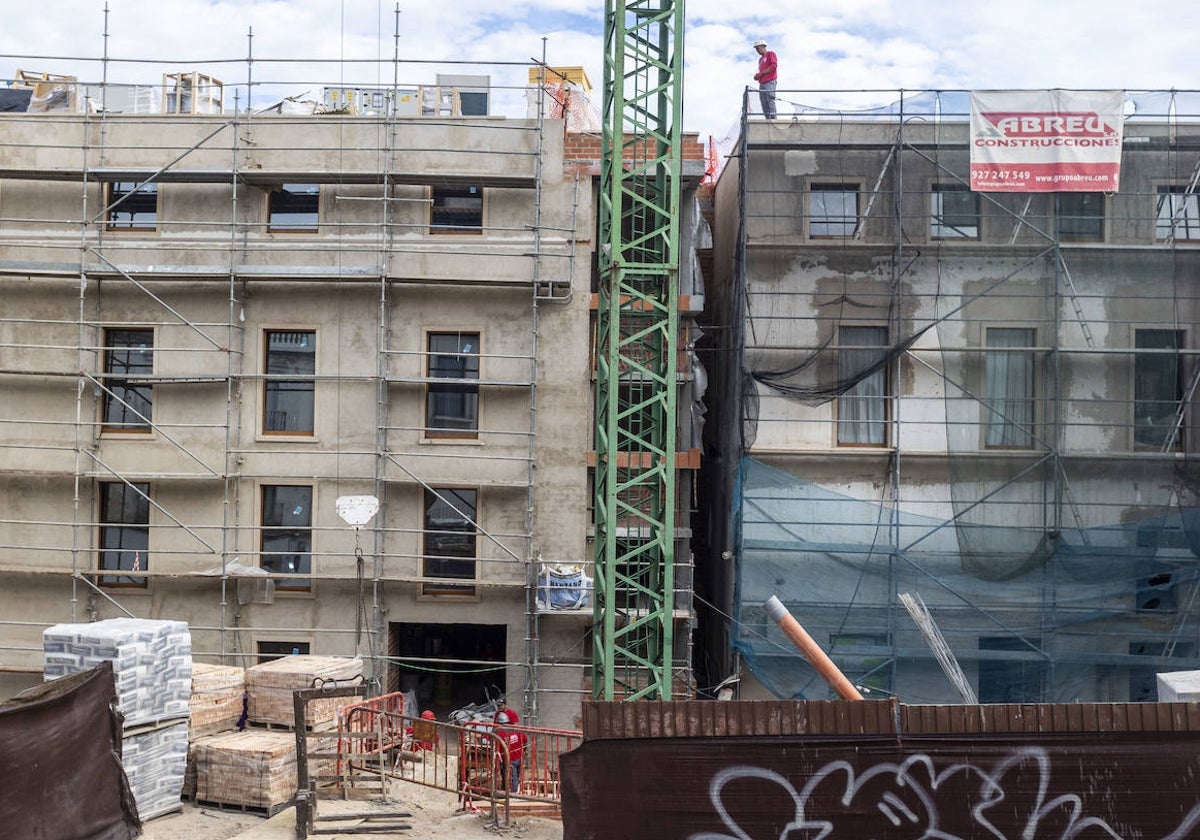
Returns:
<point x="909" y="802"/>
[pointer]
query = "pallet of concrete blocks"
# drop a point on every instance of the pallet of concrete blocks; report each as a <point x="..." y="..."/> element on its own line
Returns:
<point x="216" y="703"/>
<point x="152" y="663"/>
<point x="251" y="769"/>
<point x="270" y="686"/>
<point x="154" y="758"/>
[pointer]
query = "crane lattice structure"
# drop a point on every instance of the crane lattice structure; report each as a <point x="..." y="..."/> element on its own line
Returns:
<point x="636" y="356"/>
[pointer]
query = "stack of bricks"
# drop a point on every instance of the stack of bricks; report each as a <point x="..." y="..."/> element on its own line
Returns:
<point x="252" y="769"/>
<point x="152" y="668"/>
<point x="216" y="703"/>
<point x="270" y="686"/>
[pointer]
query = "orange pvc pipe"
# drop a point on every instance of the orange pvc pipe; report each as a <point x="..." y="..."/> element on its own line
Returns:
<point x="811" y="650"/>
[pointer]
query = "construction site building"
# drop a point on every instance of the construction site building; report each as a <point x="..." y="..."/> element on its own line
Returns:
<point x="221" y="324"/>
<point x="983" y="400"/>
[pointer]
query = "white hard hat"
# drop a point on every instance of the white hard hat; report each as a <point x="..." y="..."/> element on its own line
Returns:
<point x="760" y="43"/>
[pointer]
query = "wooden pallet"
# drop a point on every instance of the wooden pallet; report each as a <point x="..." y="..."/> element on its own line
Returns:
<point x="245" y="809"/>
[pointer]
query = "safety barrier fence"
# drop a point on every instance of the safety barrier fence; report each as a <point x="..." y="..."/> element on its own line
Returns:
<point x="473" y="760"/>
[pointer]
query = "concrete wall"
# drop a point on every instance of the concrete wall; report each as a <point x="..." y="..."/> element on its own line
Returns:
<point x="209" y="281"/>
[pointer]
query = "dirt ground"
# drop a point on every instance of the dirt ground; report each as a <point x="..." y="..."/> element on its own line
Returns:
<point x="434" y="812"/>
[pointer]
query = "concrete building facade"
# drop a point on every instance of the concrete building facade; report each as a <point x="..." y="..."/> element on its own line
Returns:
<point x="217" y="325"/>
<point x="984" y="400"/>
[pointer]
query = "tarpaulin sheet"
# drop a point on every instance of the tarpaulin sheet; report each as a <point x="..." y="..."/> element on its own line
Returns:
<point x="1038" y="785"/>
<point x="60" y="754"/>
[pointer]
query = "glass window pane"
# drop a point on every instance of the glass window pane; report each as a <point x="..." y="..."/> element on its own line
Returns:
<point x="1080" y="216"/>
<point x="1009" y="388"/>
<point x="294" y="207"/>
<point x="124" y="531"/>
<point x="132" y="207"/>
<point x="452" y="408"/>
<point x="832" y="209"/>
<point x="955" y="212"/>
<point x="287" y="533"/>
<point x="128" y="405"/>
<point x="450" y="538"/>
<point x="862" y="408"/>
<point x="288" y="403"/>
<point x="457" y="210"/>
<point x="1157" y="389"/>
<point x="1178" y="214"/>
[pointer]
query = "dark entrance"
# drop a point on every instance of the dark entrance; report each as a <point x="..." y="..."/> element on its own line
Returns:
<point x="427" y="655"/>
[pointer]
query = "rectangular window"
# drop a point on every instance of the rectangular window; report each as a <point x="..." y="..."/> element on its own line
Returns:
<point x="127" y="402"/>
<point x="456" y="210"/>
<point x="294" y="207"/>
<point x="1079" y="216"/>
<point x="1016" y="680"/>
<point x="1177" y="213"/>
<point x="124" y="532"/>
<point x="862" y="407"/>
<point x="268" y="651"/>
<point x="452" y="399"/>
<point x="832" y="210"/>
<point x="1157" y="390"/>
<point x="954" y="213"/>
<point x="450" y="540"/>
<point x="290" y="365"/>
<point x="287" y="533"/>
<point x="131" y="206"/>
<point x="1009" y="388"/>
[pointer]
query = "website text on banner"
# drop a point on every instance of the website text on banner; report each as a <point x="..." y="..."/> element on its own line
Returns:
<point x="1046" y="141"/>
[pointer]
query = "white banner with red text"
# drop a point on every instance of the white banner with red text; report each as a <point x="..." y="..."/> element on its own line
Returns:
<point x="1046" y="141"/>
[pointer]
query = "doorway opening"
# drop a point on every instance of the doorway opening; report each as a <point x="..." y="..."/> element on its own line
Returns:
<point x="442" y="685"/>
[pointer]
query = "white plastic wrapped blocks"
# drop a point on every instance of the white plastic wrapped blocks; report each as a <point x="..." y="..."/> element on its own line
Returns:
<point x="152" y="662"/>
<point x="154" y="761"/>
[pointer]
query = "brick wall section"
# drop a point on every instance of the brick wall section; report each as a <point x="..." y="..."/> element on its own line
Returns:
<point x="581" y="152"/>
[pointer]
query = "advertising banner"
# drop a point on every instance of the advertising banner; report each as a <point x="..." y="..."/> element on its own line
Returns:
<point x="1046" y="141"/>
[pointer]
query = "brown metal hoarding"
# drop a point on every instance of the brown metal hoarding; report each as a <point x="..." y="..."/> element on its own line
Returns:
<point x="811" y="771"/>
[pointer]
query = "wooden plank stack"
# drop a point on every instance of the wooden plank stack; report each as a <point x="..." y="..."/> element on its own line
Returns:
<point x="216" y="702"/>
<point x="270" y="686"/>
<point x="254" y="769"/>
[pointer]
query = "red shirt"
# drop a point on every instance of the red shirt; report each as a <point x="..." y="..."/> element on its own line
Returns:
<point x="767" y="65"/>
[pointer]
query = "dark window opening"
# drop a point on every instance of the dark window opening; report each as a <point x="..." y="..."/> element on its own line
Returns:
<point x="124" y="532"/>
<point x="456" y="210"/>
<point x="294" y="207"/>
<point x="287" y="533"/>
<point x="132" y="206"/>
<point x="421" y="651"/>
<point x="127" y="403"/>
<point x="1157" y="390"/>
<point x="287" y="402"/>
<point x="452" y="408"/>
<point x="268" y="651"/>
<point x="450" y="540"/>
<point x="1080" y="216"/>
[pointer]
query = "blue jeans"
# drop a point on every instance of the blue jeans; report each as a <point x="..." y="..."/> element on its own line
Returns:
<point x="514" y="775"/>
<point x="766" y="97"/>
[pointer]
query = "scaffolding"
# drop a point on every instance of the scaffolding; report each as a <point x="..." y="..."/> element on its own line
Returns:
<point x="266" y="253"/>
<point x="984" y="399"/>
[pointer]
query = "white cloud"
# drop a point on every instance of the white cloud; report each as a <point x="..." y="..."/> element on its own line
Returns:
<point x="822" y="44"/>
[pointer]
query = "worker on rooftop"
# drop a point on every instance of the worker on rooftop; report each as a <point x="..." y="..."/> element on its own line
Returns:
<point x="768" y="63"/>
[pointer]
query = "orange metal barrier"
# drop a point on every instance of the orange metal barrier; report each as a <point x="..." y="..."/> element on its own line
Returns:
<point x="471" y="760"/>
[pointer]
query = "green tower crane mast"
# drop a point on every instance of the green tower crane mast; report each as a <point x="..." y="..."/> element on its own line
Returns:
<point x="636" y="352"/>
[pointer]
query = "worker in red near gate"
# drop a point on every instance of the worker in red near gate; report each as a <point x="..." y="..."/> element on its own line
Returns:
<point x="424" y="744"/>
<point x="515" y="741"/>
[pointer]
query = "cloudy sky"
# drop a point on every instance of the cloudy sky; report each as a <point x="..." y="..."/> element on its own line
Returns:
<point x="823" y="45"/>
